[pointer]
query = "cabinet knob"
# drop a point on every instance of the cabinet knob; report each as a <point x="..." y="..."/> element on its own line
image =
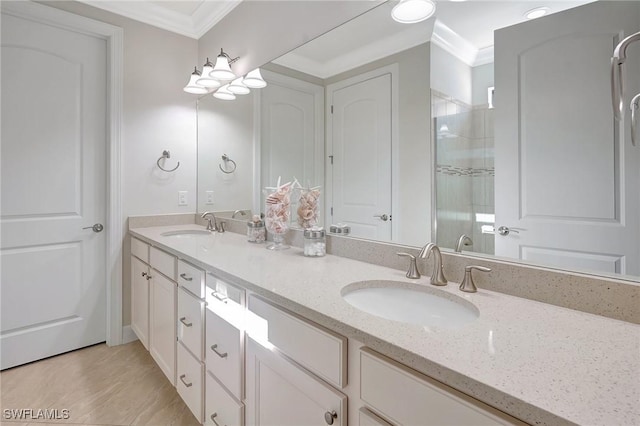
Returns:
<point x="330" y="416"/>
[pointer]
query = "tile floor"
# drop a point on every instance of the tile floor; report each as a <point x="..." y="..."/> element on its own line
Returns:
<point x="99" y="385"/>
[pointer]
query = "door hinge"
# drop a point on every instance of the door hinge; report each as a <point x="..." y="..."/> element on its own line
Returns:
<point x="331" y="109"/>
<point x="331" y="158"/>
<point x="331" y="211"/>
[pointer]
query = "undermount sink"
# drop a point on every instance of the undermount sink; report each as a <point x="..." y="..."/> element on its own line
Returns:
<point x="186" y="233"/>
<point x="410" y="303"/>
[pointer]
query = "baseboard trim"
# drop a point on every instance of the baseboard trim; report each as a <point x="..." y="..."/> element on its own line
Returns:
<point x="128" y="335"/>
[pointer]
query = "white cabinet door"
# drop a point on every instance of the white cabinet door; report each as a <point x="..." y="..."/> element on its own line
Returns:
<point x="280" y="393"/>
<point x="162" y="327"/>
<point x="140" y="300"/>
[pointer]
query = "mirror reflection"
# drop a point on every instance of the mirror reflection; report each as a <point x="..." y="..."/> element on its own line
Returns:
<point x="476" y="122"/>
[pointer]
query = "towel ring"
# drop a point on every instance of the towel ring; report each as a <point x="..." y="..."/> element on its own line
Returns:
<point x="166" y="154"/>
<point x="226" y="160"/>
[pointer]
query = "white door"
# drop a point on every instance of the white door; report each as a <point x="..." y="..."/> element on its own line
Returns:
<point x="281" y="394"/>
<point x="53" y="185"/>
<point x="567" y="177"/>
<point x="360" y="129"/>
<point x="292" y="132"/>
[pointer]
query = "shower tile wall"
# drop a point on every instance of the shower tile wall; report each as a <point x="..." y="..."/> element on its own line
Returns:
<point x="464" y="171"/>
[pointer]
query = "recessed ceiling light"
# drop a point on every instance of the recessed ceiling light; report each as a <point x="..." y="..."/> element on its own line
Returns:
<point x="536" y="13"/>
<point x="412" y="11"/>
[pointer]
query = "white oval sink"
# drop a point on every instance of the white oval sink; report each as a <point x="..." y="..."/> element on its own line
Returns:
<point x="186" y="233"/>
<point x="406" y="302"/>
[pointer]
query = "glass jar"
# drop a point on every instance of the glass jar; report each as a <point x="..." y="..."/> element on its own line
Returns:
<point x="256" y="232"/>
<point x="315" y="242"/>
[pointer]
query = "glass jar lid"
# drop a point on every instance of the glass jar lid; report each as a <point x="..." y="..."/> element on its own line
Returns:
<point x="314" y="233"/>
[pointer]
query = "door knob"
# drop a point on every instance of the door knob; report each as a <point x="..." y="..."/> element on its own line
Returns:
<point x="96" y="227"/>
<point x="382" y="217"/>
<point x="504" y="231"/>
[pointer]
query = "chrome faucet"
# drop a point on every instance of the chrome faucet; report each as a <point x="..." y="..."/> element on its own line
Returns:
<point x="468" y="285"/>
<point x="464" y="240"/>
<point x="212" y="223"/>
<point x="241" y="212"/>
<point x="437" y="277"/>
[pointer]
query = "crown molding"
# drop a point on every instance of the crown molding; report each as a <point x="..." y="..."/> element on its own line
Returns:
<point x="447" y="39"/>
<point x="194" y="26"/>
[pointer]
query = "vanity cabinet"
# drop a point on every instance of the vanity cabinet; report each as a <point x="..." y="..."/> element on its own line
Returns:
<point x="140" y="277"/>
<point x="281" y="393"/>
<point x="406" y="397"/>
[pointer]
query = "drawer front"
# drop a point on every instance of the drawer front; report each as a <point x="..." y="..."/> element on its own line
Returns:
<point x="163" y="262"/>
<point x="191" y="278"/>
<point x="140" y="249"/>
<point x="189" y="383"/>
<point x="221" y="408"/>
<point x="318" y="349"/>
<point x="224" y="353"/>
<point x="367" y="418"/>
<point x="223" y="290"/>
<point x="407" y="397"/>
<point x="191" y="323"/>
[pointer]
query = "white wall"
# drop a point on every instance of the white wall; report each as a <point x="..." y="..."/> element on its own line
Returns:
<point x="157" y="115"/>
<point x="481" y="80"/>
<point x="450" y="75"/>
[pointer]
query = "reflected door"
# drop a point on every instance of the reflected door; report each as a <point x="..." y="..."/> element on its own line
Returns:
<point x="361" y="157"/>
<point x="567" y="176"/>
<point x="53" y="184"/>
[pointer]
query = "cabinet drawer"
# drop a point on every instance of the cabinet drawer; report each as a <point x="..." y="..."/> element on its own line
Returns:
<point x="367" y="418"/>
<point x="190" y="374"/>
<point x="407" y="397"/>
<point x="163" y="262"/>
<point x="140" y="249"/>
<point x="224" y="290"/>
<point x="190" y="322"/>
<point x="224" y="353"/>
<point x="316" y="348"/>
<point x="191" y="278"/>
<point x="221" y="408"/>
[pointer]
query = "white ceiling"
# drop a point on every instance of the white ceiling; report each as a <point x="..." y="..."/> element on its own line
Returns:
<point x="192" y="18"/>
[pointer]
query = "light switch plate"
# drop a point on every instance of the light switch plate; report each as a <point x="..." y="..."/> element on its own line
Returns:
<point x="182" y="198"/>
<point x="209" y="200"/>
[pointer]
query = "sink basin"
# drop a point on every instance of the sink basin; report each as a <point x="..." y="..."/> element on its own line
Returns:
<point x="410" y="303"/>
<point x="185" y="233"/>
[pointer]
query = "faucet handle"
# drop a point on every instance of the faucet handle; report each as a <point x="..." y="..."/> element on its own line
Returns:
<point x="221" y="226"/>
<point x="412" y="272"/>
<point x="467" y="284"/>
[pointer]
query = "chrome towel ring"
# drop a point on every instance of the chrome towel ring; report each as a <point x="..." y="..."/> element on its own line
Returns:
<point x="227" y="160"/>
<point x="166" y="154"/>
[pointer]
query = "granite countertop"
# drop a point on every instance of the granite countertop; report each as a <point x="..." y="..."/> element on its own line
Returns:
<point x="541" y="363"/>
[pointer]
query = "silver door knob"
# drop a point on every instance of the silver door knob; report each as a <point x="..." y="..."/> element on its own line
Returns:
<point x="504" y="230"/>
<point x="330" y="416"/>
<point x="382" y="217"/>
<point x="96" y="227"/>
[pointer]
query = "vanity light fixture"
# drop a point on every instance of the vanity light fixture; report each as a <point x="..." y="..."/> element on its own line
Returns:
<point x="206" y="80"/>
<point x="412" y="11"/>
<point x="237" y="87"/>
<point x="224" y="94"/>
<point x="192" y="86"/>
<point x="536" y="13"/>
<point x="254" y="80"/>
<point x="222" y="70"/>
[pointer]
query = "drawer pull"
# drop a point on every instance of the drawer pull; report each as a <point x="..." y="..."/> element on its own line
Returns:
<point x="186" y="324"/>
<point x="330" y="416"/>
<point x="215" y="349"/>
<point x="190" y="384"/>
<point x="186" y="277"/>
<point x="220" y="297"/>
<point x="213" y="419"/>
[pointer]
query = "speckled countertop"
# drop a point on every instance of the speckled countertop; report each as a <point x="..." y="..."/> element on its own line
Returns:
<point x="541" y="363"/>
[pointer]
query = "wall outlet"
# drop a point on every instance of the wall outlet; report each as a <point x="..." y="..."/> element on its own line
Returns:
<point x="182" y="198"/>
<point x="209" y="199"/>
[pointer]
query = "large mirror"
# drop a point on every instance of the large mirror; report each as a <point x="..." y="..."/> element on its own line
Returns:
<point x="477" y="122"/>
